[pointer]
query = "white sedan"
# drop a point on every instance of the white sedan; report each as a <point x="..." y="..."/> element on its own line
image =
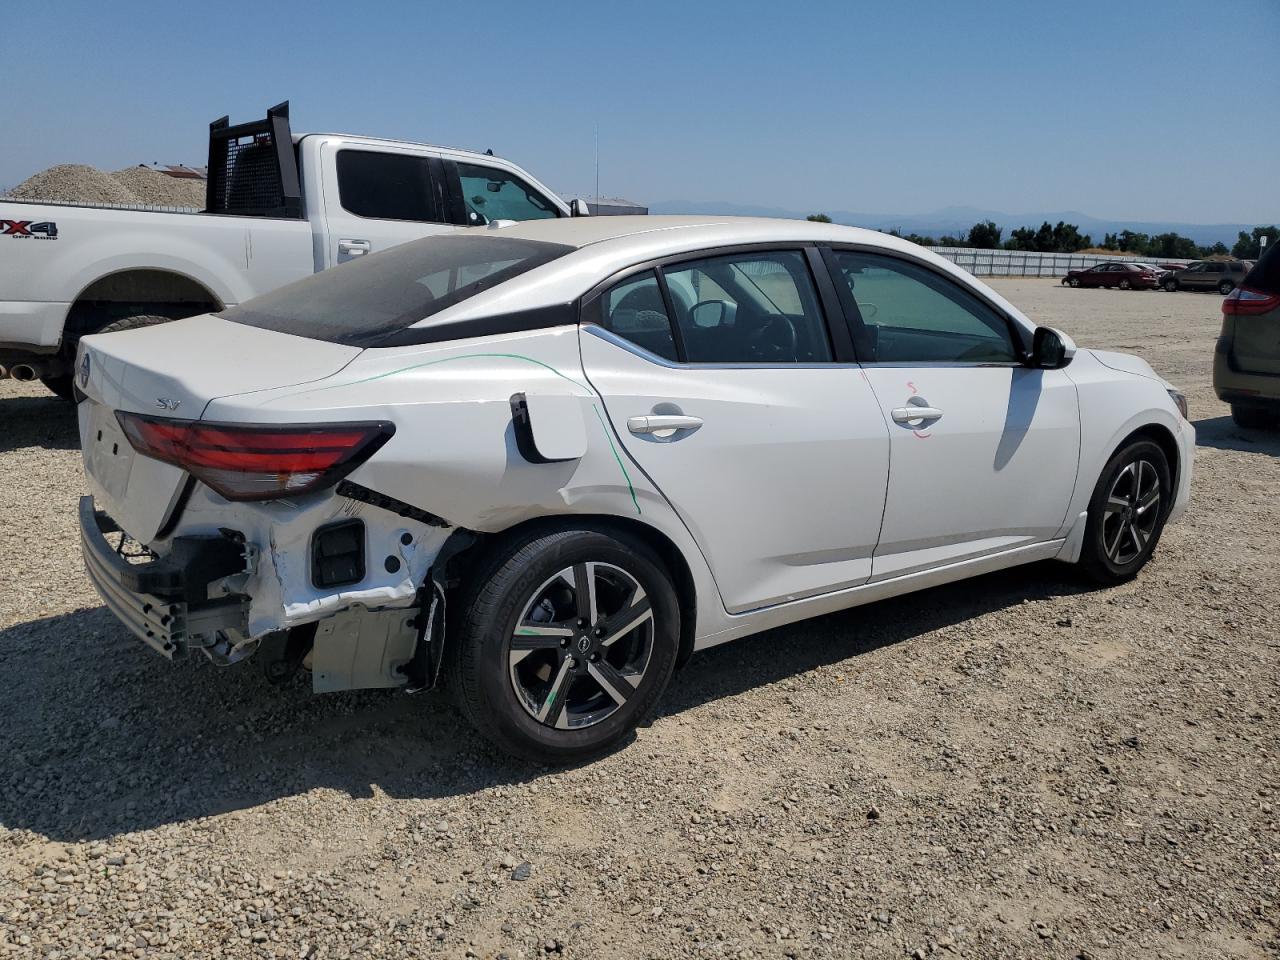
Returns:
<point x="545" y="462"/>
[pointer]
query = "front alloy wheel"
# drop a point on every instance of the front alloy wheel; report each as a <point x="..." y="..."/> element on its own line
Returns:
<point x="564" y="642"/>
<point x="1127" y="512"/>
<point x="1132" y="512"/>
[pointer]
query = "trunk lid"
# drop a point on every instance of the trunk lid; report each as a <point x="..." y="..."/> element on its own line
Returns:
<point x="175" y="370"/>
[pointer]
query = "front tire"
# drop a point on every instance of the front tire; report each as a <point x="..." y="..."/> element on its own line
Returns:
<point x="565" y="644"/>
<point x="1170" y="286"/>
<point x="1225" y="287"/>
<point x="1072" y="282"/>
<point x="1127" y="513"/>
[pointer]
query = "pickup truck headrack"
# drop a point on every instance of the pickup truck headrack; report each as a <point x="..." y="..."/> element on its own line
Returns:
<point x="253" y="169"/>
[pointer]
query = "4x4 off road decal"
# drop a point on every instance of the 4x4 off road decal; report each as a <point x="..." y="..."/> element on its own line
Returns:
<point x="44" y="230"/>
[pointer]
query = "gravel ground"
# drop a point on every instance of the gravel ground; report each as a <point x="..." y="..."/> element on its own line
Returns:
<point x="1016" y="766"/>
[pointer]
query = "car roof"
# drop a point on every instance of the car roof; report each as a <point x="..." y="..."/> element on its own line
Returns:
<point x="603" y="246"/>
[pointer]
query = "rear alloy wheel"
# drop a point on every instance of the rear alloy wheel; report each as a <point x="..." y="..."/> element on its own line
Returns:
<point x="567" y="646"/>
<point x="1251" y="418"/>
<point x="1225" y="287"/>
<point x="1170" y="286"/>
<point x="1125" y="285"/>
<point x="1127" y="513"/>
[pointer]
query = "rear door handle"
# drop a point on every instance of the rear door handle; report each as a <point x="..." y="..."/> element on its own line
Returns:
<point x="908" y="414"/>
<point x="663" y="423"/>
<point x="353" y="248"/>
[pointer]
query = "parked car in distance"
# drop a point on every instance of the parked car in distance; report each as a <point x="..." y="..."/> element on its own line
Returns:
<point x="599" y="444"/>
<point x="1221" y="275"/>
<point x="280" y="207"/>
<point x="1120" y="274"/>
<point x="1246" y="361"/>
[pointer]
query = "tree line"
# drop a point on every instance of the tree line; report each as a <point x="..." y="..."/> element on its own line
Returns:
<point x="1065" y="237"/>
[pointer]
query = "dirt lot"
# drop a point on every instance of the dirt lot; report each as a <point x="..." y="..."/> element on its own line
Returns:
<point x="1017" y="766"/>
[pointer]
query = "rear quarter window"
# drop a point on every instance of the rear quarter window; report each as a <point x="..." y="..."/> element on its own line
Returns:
<point x="370" y="301"/>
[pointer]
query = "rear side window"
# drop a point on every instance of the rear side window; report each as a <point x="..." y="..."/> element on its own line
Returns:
<point x="494" y="194"/>
<point x="748" y="308"/>
<point x="386" y="186"/>
<point x="369" y="301"/>
<point x="1265" y="275"/>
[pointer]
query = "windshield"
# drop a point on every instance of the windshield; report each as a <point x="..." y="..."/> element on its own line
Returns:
<point x="367" y="301"/>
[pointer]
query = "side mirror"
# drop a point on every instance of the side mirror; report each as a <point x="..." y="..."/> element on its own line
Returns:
<point x="708" y="313"/>
<point x="579" y="208"/>
<point x="1051" y="349"/>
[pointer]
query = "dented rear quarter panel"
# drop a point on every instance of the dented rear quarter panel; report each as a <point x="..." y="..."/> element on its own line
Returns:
<point x="454" y="452"/>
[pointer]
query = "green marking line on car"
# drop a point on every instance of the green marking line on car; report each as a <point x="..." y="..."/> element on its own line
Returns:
<point x="432" y="363"/>
<point x="621" y="466"/>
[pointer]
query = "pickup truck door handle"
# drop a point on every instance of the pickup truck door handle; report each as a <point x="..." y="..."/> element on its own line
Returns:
<point x="663" y="423"/>
<point x="353" y="248"/>
<point x="908" y="414"/>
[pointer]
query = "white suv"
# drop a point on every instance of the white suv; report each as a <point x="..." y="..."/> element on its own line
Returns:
<point x="550" y="460"/>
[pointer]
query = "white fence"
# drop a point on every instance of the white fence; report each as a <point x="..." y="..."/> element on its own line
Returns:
<point x="1022" y="263"/>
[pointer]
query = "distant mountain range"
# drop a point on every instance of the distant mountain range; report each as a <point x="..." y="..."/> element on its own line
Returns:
<point x="956" y="221"/>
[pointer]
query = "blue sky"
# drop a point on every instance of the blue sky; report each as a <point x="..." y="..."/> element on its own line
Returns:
<point x="889" y="107"/>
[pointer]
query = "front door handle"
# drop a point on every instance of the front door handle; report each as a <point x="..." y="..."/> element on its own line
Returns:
<point x="909" y="414"/>
<point x="353" y="248"/>
<point x="663" y="423"/>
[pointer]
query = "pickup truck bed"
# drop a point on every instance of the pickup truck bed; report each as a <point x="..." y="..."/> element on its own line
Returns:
<point x="282" y="208"/>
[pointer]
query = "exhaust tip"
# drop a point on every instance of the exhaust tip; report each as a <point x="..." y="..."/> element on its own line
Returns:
<point x="24" y="372"/>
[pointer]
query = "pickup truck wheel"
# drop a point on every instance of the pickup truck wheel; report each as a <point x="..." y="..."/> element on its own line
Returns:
<point x="64" y="386"/>
<point x="565" y="645"/>
<point x="134" y="322"/>
<point x="1127" y="513"/>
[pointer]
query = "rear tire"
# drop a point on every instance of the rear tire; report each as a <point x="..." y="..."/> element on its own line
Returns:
<point x="1127" y="513"/>
<point x="135" y="322"/>
<point x="1251" y="418"/>
<point x="527" y="672"/>
<point x="1225" y="287"/>
<point x="1125" y="285"/>
<point x="64" y="386"/>
<point x="1170" y="286"/>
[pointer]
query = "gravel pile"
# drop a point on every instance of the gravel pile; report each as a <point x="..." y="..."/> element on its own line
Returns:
<point x="151" y="186"/>
<point x="78" y="183"/>
<point x="73" y="183"/>
<point x="1017" y="766"/>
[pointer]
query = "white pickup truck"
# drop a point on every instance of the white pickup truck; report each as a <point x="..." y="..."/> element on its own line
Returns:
<point x="278" y="208"/>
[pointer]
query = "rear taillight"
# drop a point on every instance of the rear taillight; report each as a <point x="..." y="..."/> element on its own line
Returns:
<point x="1243" y="302"/>
<point x="257" y="463"/>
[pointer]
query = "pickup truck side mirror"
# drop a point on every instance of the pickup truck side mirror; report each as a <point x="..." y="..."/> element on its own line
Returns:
<point x="579" y="208"/>
<point x="1051" y="349"/>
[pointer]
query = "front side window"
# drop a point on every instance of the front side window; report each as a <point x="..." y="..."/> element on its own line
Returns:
<point x="758" y="307"/>
<point x="494" y="194"/>
<point x="386" y="186"/>
<point x="911" y="315"/>
<point x="634" y="310"/>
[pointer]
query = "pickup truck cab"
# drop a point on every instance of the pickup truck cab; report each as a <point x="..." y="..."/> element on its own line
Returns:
<point x="279" y="208"/>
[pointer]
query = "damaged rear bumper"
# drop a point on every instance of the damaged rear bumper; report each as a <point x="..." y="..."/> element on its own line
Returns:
<point x="165" y="602"/>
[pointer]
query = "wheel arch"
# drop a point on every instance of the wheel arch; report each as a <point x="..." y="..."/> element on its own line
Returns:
<point x="1162" y="437"/>
<point x="137" y="290"/>
<point x="470" y="555"/>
